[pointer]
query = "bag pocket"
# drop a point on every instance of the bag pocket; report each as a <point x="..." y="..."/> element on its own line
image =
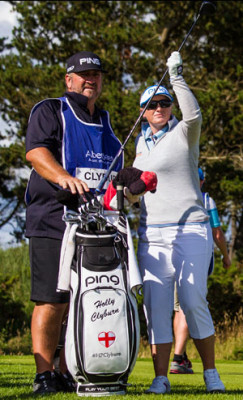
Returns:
<point x="105" y="330"/>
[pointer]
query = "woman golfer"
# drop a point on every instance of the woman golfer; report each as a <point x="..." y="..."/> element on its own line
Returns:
<point x="175" y="238"/>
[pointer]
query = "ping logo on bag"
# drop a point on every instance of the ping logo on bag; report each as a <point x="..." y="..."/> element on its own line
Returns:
<point x="102" y="279"/>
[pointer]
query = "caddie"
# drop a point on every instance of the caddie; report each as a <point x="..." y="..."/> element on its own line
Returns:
<point x="69" y="143"/>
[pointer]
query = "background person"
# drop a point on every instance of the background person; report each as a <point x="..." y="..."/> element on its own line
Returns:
<point x="180" y="363"/>
<point x="69" y="143"/>
<point x="218" y="234"/>
<point x="175" y="238"/>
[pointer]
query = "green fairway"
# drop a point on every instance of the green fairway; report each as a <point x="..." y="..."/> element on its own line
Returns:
<point x="17" y="374"/>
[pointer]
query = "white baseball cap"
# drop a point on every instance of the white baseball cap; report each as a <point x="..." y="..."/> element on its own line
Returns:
<point x="149" y="93"/>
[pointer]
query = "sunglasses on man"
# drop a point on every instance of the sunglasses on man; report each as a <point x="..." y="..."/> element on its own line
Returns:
<point x="162" y="103"/>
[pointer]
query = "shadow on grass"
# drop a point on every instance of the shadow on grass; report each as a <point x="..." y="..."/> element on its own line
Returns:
<point x="135" y="390"/>
<point x="182" y="390"/>
<point x="18" y="380"/>
<point x="30" y="364"/>
<point x="21" y="396"/>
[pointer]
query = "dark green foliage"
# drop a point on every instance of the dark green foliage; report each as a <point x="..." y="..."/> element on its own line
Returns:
<point x="225" y="295"/>
<point x="15" y="306"/>
<point x="12" y="316"/>
<point x="19" y="344"/>
<point x="134" y="40"/>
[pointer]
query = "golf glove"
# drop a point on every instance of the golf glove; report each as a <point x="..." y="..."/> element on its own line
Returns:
<point x="174" y="64"/>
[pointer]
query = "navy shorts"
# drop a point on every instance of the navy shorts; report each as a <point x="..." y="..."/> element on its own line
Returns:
<point x="44" y="263"/>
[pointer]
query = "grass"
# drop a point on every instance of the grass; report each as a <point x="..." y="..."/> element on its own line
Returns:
<point x="17" y="373"/>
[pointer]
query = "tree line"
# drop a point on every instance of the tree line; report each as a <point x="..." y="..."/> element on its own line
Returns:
<point x="134" y="39"/>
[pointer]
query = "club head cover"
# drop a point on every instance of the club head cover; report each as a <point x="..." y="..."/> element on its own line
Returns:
<point x="127" y="176"/>
<point x="135" y="180"/>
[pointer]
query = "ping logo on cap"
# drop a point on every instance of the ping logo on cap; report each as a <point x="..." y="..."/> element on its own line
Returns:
<point x="89" y="60"/>
<point x="84" y="61"/>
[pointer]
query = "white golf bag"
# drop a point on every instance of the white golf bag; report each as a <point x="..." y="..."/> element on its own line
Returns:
<point x="103" y="332"/>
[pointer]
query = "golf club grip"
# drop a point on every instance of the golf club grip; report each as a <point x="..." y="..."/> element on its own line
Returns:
<point x="120" y="196"/>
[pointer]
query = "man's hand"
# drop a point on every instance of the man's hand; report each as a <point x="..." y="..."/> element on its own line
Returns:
<point x="174" y="64"/>
<point x="75" y="185"/>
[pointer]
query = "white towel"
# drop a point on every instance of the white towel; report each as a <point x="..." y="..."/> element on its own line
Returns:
<point x="66" y="258"/>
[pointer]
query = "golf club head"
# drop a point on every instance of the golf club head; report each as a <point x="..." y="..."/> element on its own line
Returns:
<point x="207" y="7"/>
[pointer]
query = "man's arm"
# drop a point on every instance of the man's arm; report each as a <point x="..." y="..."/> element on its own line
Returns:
<point x="44" y="163"/>
<point x="219" y="239"/>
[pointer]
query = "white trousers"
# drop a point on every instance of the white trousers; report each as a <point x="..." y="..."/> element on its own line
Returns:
<point x="181" y="254"/>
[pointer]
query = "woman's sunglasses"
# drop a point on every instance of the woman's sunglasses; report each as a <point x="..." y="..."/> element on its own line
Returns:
<point x="162" y="103"/>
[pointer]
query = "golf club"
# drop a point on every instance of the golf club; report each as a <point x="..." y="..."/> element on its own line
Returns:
<point x="207" y="7"/>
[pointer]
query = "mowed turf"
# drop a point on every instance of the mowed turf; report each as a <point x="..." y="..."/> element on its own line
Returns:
<point x="17" y="374"/>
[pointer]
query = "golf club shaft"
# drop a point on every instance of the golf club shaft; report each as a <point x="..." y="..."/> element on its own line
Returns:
<point x="115" y="160"/>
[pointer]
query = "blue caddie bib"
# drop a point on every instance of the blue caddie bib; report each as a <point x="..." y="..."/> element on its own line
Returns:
<point x="88" y="149"/>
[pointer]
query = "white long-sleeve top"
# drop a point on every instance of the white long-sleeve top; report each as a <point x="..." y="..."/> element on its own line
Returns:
<point x="174" y="158"/>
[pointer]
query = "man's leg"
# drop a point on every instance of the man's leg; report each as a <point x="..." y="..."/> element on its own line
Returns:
<point x="180" y="363"/>
<point x="49" y="310"/>
<point x="181" y="332"/>
<point x="45" y="330"/>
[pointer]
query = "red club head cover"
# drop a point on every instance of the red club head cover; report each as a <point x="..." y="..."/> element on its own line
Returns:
<point x="136" y="180"/>
<point x="150" y="180"/>
<point x="146" y="183"/>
